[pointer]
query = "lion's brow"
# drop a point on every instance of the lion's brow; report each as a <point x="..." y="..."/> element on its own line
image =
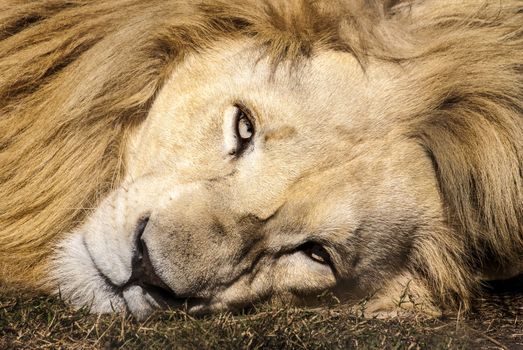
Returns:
<point x="285" y="132"/>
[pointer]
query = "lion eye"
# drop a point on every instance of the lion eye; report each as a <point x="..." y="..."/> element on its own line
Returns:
<point x="244" y="128"/>
<point x="316" y="252"/>
<point x="238" y="130"/>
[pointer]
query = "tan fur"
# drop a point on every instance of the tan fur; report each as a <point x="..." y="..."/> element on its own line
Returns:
<point x="77" y="77"/>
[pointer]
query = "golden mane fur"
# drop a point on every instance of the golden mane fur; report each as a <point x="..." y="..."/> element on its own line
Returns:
<point x="76" y="76"/>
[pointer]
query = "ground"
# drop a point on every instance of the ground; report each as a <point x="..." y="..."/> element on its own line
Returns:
<point x="31" y="322"/>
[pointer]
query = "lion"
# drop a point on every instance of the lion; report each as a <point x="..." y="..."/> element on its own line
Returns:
<point x="210" y="155"/>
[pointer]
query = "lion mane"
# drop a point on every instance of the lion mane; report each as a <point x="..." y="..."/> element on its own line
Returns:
<point x="77" y="76"/>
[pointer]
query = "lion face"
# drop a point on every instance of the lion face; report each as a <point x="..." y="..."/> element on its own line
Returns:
<point x="250" y="182"/>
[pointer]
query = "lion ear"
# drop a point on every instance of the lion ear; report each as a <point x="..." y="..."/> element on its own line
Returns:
<point x="388" y="5"/>
<point x="384" y="6"/>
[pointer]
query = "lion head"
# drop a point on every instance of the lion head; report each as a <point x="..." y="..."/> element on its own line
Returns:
<point x="214" y="154"/>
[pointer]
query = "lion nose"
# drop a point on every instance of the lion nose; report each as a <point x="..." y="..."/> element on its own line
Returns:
<point x="143" y="273"/>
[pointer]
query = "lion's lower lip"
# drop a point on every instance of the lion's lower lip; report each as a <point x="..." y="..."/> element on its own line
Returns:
<point x="167" y="299"/>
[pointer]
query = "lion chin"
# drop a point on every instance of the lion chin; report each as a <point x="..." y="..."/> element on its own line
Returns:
<point x="210" y="155"/>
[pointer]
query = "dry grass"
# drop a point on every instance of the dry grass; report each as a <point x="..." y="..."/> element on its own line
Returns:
<point x="30" y="322"/>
